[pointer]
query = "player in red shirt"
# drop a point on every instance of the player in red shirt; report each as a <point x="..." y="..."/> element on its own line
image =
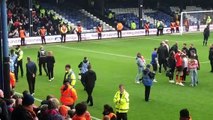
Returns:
<point x="179" y="68"/>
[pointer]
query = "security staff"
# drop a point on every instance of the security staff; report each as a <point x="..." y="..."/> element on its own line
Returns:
<point x="31" y="70"/>
<point x="146" y="26"/>
<point x="79" y="30"/>
<point x="177" y="25"/>
<point x="13" y="64"/>
<point x="209" y="20"/>
<point x="69" y="75"/>
<point x="172" y="27"/>
<point x="22" y="35"/>
<point x="19" y="53"/>
<point x="90" y="78"/>
<point x="63" y="30"/>
<point x="83" y="67"/>
<point x="133" y="25"/>
<point x="42" y="60"/>
<point x="206" y="34"/>
<point x="211" y="57"/>
<point x="42" y="33"/>
<point x="119" y="29"/>
<point x="99" y="30"/>
<point x="121" y="100"/>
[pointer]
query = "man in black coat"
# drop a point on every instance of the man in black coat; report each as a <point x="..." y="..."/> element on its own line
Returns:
<point x="31" y="70"/>
<point x="206" y="34"/>
<point x="211" y="57"/>
<point x="162" y="56"/>
<point x="42" y="60"/>
<point x="90" y="78"/>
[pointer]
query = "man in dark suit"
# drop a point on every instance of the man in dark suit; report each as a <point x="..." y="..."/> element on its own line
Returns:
<point x="90" y="78"/>
<point x="31" y="70"/>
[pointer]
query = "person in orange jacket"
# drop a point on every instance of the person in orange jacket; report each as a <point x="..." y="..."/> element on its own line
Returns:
<point x="68" y="95"/>
<point x="63" y="30"/>
<point x="109" y="113"/>
<point x="119" y="29"/>
<point x="22" y="35"/>
<point x="79" y="30"/>
<point x="172" y="27"/>
<point x="43" y="32"/>
<point x="99" y="31"/>
<point x="81" y="112"/>
<point x="146" y="27"/>
<point x="12" y="80"/>
<point x="177" y="25"/>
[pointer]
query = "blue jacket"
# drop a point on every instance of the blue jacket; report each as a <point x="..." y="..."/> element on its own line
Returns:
<point x="146" y="80"/>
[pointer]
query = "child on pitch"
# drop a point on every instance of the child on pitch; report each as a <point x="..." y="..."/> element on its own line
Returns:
<point x="193" y="67"/>
<point x="140" y="61"/>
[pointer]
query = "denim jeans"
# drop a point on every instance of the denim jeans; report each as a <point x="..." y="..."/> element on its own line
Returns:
<point x="194" y="77"/>
<point x="139" y="74"/>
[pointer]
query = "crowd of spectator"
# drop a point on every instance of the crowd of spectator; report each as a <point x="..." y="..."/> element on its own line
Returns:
<point x="18" y="16"/>
<point x="23" y="108"/>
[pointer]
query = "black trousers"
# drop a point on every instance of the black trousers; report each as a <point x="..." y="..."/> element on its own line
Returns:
<point x="205" y="40"/>
<point x="99" y="36"/>
<point x="155" y="67"/>
<point x="211" y="63"/>
<point x="83" y="80"/>
<point x="79" y="36"/>
<point x="158" y="31"/>
<point x="63" y="38"/>
<point x="43" y="40"/>
<point x="20" y="65"/>
<point x="42" y="64"/>
<point x="119" y="33"/>
<point x="162" y="62"/>
<point x="172" y="70"/>
<point x="89" y="93"/>
<point x="184" y="74"/>
<point x="147" y="92"/>
<point x="31" y="83"/>
<point x="22" y="41"/>
<point x="147" y="32"/>
<point x="121" y="116"/>
<point x="50" y="72"/>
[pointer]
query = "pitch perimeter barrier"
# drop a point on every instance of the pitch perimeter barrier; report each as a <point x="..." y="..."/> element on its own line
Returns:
<point x="92" y="36"/>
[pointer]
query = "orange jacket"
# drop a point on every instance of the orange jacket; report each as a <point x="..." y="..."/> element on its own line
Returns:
<point x="120" y="26"/>
<point x="79" y="29"/>
<point x="85" y="116"/>
<point x="172" y="25"/>
<point x="68" y="96"/>
<point x="43" y="32"/>
<point x="12" y="80"/>
<point x="63" y="29"/>
<point x="177" y="23"/>
<point x="99" y="29"/>
<point x="22" y="34"/>
<point x="146" y="26"/>
<point x="111" y="115"/>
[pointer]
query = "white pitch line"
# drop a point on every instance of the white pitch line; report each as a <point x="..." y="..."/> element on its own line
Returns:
<point x="105" y="53"/>
<point x="39" y="100"/>
<point x="93" y="51"/>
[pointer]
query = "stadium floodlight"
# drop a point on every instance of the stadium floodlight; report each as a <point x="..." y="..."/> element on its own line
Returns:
<point x="192" y="21"/>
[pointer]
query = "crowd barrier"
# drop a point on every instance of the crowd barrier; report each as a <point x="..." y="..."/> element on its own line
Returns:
<point x="91" y="36"/>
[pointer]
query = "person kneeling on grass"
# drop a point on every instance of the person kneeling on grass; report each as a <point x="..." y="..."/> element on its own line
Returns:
<point x="147" y="79"/>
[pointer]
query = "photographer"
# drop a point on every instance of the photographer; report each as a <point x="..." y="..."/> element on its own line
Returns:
<point x="147" y="79"/>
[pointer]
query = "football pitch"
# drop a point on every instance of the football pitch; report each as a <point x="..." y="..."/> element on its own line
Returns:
<point x="113" y="60"/>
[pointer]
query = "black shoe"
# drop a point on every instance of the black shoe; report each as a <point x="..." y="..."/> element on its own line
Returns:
<point x="90" y="105"/>
<point x="211" y="71"/>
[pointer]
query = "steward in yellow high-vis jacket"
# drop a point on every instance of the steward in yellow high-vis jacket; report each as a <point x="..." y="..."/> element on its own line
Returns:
<point x="121" y="100"/>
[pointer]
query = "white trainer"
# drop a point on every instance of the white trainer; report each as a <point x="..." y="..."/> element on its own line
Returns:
<point x="155" y="80"/>
<point x="181" y="84"/>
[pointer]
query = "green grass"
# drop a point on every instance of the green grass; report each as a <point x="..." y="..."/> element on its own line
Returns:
<point x="114" y="63"/>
